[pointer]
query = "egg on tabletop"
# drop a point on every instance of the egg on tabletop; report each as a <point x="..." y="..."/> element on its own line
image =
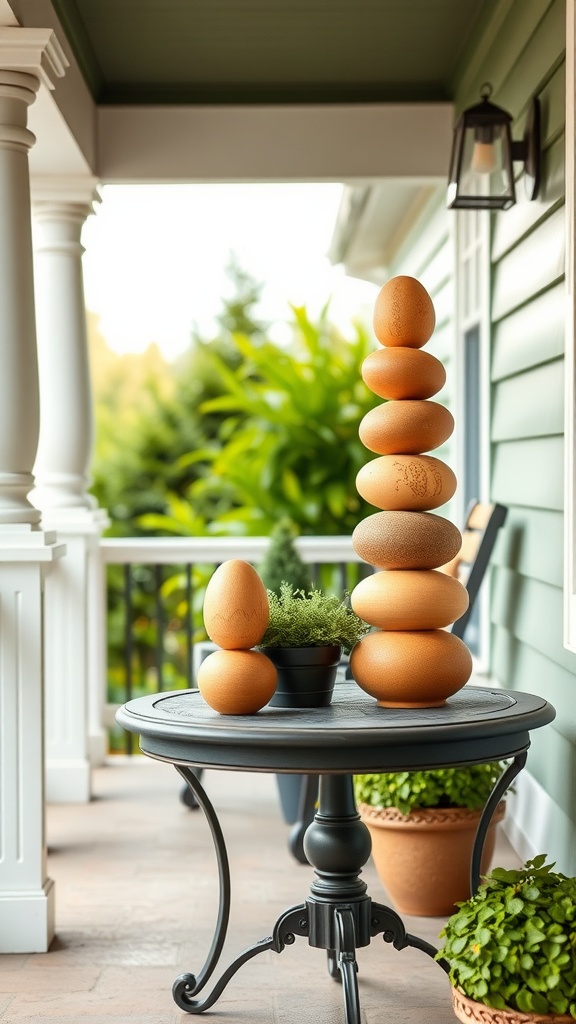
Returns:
<point x="237" y="682"/>
<point x="411" y="668"/>
<point x="236" y="610"/>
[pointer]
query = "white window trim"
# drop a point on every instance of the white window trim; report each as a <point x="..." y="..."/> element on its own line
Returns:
<point x="570" y="339"/>
<point x="477" y="315"/>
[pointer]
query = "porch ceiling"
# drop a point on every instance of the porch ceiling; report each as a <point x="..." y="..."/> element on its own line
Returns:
<point x="268" y="51"/>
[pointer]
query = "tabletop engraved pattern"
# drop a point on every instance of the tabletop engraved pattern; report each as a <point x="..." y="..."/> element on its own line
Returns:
<point x="350" y="709"/>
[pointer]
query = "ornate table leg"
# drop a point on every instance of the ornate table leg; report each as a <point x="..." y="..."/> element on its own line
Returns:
<point x="291" y="923"/>
<point x="503" y="783"/>
<point x="338" y="916"/>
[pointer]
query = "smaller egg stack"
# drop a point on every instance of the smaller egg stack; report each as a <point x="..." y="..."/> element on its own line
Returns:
<point x="411" y="661"/>
<point x="236" y="680"/>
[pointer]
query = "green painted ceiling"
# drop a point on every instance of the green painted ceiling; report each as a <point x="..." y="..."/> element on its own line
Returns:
<point x="269" y="51"/>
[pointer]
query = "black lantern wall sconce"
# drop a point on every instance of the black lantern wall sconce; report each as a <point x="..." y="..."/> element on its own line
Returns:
<point x="481" y="173"/>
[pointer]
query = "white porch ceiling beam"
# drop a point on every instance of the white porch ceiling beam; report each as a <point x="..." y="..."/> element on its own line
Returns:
<point x="273" y="143"/>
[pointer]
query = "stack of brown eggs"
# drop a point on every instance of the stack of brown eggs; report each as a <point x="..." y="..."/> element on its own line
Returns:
<point x="411" y="661"/>
<point x="236" y="680"/>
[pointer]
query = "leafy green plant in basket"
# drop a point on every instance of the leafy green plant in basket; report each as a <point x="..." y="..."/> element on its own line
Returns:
<point x="513" y="944"/>
<point x="422" y="825"/>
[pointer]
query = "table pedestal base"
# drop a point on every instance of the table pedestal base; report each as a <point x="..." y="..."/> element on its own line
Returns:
<point x="337" y="916"/>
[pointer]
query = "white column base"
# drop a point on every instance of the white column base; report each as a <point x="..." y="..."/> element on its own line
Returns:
<point x="27" y="920"/>
<point x="68" y="781"/>
<point x="97" y="749"/>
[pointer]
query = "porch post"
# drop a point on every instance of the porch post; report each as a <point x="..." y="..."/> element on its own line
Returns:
<point x="27" y="57"/>
<point x="73" y="646"/>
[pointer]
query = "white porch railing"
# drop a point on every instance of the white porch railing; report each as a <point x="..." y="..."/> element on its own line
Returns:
<point x="183" y="555"/>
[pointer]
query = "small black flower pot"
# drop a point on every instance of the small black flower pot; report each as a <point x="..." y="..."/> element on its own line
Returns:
<point x="306" y="675"/>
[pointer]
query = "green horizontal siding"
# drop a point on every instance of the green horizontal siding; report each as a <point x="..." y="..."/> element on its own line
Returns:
<point x="530" y="404"/>
<point x="539" y="55"/>
<point x="525" y="216"/>
<point x="499" y="48"/>
<point x="519" y="667"/>
<point x="532" y="334"/>
<point x="529" y="472"/>
<point x="531" y="542"/>
<point x="529" y="268"/>
<point x="532" y="612"/>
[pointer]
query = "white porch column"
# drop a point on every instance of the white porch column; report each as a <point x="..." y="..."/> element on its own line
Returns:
<point x="74" y="656"/>
<point x="26" y="893"/>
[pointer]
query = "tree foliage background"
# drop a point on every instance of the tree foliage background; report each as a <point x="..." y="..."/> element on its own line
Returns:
<point x="238" y="434"/>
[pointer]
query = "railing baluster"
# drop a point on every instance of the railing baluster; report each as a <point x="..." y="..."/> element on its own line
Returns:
<point x="128" y="642"/>
<point x="160" y="626"/>
<point x="189" y="627"/>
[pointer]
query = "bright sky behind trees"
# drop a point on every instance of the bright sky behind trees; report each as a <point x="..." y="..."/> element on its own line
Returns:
<point x="156" y="256"/>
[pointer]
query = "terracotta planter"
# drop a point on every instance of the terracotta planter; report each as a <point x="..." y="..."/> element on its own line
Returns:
<point x="468" y="1011"/>
<point x="423" y="858"/>
<point x="306" y="675"/>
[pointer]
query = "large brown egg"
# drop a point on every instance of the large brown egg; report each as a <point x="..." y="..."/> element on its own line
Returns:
<point x="237" y="682"/>
<point x="411" y="669"/>
<point x="407" y="427"/>
<point x="406" y="540"/>
<point x="236" y="611"/>
<point x="403" y="373"/>
<point x="409" y="599"/>
<point x="409" y="482"/>
<point x="403" y="313"/>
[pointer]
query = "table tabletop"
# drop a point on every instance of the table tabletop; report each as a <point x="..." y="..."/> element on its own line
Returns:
<point x="353" y="735"/>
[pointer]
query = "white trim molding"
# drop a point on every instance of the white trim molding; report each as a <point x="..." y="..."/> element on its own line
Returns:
<point x="570" y="339"/>
<point x="535" y="824"/>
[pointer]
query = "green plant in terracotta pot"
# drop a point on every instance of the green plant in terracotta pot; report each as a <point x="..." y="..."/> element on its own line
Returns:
<point x="423" y="825"/>
<point x="306" y="635"/>
<point x="511" y="948"/>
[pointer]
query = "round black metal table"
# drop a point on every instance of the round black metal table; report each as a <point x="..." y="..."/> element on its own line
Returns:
<point x="353" y="735"/>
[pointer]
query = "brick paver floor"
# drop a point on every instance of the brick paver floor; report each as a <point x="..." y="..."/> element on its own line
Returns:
<point x="136" y="903"/>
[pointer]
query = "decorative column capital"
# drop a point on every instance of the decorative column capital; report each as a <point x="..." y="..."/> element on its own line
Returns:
<point x="60" y="207"/>
<point x="35" y="51"/>
<point x="66" y="190"/>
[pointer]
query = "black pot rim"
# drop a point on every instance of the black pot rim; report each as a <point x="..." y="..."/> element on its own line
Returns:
<point x="329" y="654"/>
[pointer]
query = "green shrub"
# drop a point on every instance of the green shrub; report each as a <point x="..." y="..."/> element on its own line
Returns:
<point x="469" y="787"/>
<point x="513" y="944"/>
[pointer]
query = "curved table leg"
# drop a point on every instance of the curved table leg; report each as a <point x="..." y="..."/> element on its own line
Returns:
<point x="194" y="983"/>
<point x="290" y="924"/>
<point x="503" y="783"/>
<point x="347" y="963"/>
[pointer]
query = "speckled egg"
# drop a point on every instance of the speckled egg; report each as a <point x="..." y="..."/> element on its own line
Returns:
<point x="398" y="373"/>
<point x="403" y="313"/>
<point x="408" y="482"/>
<point x="406" y="540"/>
<point x="236" y="611"/>
<point x="407" y="427"/>
<point x="411" y="669"/>
<point x="237" y="682"/>
<point x="405" y="599"/>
